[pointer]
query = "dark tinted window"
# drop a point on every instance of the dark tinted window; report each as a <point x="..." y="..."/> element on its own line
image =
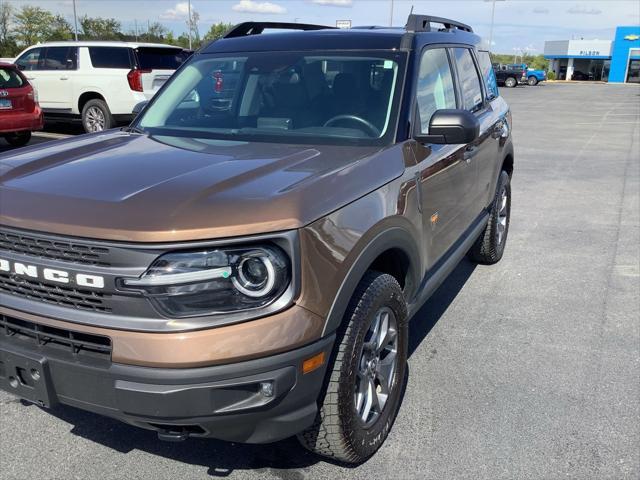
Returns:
<point x="488" y="74"/>
<point x="160" y="58"/>
<point x="9" y="78"/>
<point x="58" y="58"/>
<point x="110" y="57"/>
<point x="435" y="85"/>
<point x="30" y="59"/>
<point x="469" y="80"/>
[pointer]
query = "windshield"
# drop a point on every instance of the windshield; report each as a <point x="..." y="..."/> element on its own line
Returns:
<point x="284" y="97"/>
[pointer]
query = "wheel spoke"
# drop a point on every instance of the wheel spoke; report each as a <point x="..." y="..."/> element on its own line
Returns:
<point x="368" y="400"/>
<point x="385" y="371"/>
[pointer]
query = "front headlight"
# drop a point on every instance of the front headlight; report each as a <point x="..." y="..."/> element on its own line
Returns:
<point x="209" y="282"/>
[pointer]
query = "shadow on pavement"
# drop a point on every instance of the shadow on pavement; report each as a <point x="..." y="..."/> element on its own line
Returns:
<point x="285" y="459"/>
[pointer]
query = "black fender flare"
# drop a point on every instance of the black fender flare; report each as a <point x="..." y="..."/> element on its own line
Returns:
<point x="391" y="238"/>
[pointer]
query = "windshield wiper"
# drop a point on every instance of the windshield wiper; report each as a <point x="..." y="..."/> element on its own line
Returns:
<point x="133" y="130"/>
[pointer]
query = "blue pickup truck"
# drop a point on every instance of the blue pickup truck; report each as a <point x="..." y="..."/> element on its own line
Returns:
<point x="531" y="77"/>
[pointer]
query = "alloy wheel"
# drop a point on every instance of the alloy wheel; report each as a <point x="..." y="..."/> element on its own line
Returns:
<point x="95" y="120"/>
<point x="376" y="366"/>
<point x="503" y="216"/>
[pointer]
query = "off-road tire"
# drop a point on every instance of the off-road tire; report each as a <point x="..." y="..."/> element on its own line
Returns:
<point x="511" y="82"/>
<point x="90" y="109"/>
<point x="18" y="139"/>
<point x="487" y="249"/>
<point x="338" y="432"/>
<point x="532" y="81"/>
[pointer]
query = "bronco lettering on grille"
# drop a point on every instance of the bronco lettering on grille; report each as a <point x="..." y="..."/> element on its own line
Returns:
<point x="51" y="275"/>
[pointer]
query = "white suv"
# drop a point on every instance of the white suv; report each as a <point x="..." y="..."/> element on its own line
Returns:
<point x="100" y="82"/>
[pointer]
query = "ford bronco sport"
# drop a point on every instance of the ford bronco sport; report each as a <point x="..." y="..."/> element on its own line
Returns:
<point x="243" y="260"/>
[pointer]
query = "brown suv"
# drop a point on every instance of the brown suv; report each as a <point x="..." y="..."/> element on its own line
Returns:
<point x="242" y="261"/>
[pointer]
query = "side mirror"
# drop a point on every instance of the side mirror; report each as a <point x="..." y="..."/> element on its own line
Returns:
<point x="139" y="107"/>
<point x="451" y="127"/>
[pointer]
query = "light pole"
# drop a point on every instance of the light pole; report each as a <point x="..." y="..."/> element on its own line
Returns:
<point x="493" y="17"/>
<point x="75" y="19"/>
<point x="189" y="23"/>
<point x="391" y="15"/>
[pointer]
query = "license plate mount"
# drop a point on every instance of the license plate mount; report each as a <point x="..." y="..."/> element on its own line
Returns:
<point x="26" y="376"/>
<point x="5" y="104"/>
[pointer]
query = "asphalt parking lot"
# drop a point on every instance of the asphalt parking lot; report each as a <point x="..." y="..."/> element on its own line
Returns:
<point x="527" y="369"/>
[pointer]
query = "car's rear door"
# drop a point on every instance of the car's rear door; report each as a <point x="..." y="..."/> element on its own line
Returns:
<point x="481" y="154"/>
<point x="13" y="93"/>
<point x="157" y="64"/>
<point x="494" y="120"/>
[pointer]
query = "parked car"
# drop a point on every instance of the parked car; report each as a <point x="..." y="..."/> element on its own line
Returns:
<point x="578" y="75"/>
<point x="530" y="76"/>
<point x="20" y="113"/>
<point x="98" y="82"/>
<point x="508" y="75"/>
<point x="248" y="273"/>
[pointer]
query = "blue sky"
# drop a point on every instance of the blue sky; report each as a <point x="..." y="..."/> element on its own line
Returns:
<point x="518" y="23"/>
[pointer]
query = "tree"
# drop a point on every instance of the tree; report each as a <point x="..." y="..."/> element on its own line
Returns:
<point x="192" y="25"/>
<point x="33" y="25"/>
<point x="60" y="29"/>
<point x="8" y="47"/>
<point x="98" y="28"/>
<point x="217" y="30"/>
<point x="156" y="32"/>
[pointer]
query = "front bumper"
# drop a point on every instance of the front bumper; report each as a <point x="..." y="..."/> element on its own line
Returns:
<point x="226" y="402"/>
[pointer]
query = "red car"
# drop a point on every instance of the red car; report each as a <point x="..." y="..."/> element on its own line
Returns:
<point x="20" y="113"/>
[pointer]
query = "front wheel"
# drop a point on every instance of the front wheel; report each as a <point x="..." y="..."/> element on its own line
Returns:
<point x="18" y="139"/>
<point x="511" y="82"/>
<point x="532" y="81"/>
<point x="489" y="246"/>
<point x="365" y="384"/>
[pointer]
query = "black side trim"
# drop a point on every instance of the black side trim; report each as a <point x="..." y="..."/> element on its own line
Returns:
<point x="394" y="238"/>
<point x="443" y="267"/>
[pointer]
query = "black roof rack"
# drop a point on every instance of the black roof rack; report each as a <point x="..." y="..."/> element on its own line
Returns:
<point x="422" y="23"/>
<point x="256" y="28"/>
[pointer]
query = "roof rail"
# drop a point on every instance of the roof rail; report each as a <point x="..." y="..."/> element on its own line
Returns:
<point x="256" y="28"/>
<point x="422" y="23"/>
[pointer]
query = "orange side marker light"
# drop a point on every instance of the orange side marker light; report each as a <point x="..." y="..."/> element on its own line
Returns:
<point x="313" y="363"/>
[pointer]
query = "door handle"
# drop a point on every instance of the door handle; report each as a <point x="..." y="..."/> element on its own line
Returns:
<point x="469" y="153"/>
<point x="64" y="78"/>
<point x="31" y="79"/>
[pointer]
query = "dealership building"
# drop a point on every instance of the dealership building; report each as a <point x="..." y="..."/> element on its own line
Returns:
<point x="599" y="60"/>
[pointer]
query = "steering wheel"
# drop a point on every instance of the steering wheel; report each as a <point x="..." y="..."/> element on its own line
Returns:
<point x="366" y="123"/>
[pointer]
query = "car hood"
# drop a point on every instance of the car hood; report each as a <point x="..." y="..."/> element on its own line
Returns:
<point x="131" y="187"/>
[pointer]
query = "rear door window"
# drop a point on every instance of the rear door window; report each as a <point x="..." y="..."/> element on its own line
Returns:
<point x="159" y="58"/>
<point x="436" y="89"/>
<point x="59" y="58"/>
<point x="9" y="78"/>
<point x="488" y="74"/>
<point x="30" y="60"/>
<point x="470" y="85"/>
<point x="111" y="57"/>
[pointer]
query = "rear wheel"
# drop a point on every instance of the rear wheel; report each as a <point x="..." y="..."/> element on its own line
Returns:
<point x="489" y="246"/>
<point x="365" y="384"/>
<point x="532" y="81"/>
<point x="96" y="116"/>
<point x="510" y="82"/>
<point x="18" y="139"/>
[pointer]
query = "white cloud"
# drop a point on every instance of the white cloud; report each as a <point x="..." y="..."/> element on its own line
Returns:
<point x="334" y="3"/>
<point x="180" y="11"/>
<point x="249" y="6"/>
<point x="541" y="10"/>
<point x="582" y="10"/>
